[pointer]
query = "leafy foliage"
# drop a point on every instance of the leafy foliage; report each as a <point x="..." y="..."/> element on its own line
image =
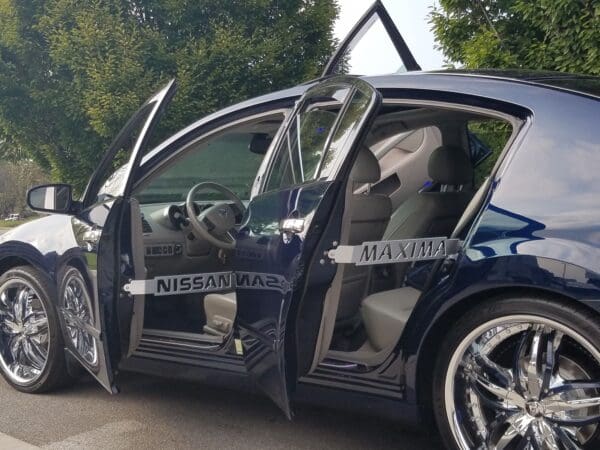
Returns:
<point x="494" y="134"/>
<point x="72" y="72"/>
<point x="543" y="35"/>
<point x="15" y="179"/>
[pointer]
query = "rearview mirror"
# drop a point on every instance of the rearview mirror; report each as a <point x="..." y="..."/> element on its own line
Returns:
<point x="53" y="198"/>
<point x="260" y="143"/>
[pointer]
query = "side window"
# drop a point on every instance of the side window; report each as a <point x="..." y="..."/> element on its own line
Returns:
<point x="303" y="147"/>
<point x="110" y="179"/>
<point x="487" y="139"/>
<point x="231" y="159"/>
<point x="315" y="138"/>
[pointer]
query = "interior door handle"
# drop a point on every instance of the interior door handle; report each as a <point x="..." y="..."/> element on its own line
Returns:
<point x="294" y="226"/>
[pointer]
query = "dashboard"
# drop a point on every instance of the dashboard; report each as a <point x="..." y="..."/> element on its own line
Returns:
<point x="169" y="248"/>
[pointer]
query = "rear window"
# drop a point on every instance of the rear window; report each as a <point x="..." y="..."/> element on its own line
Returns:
<point x="487" y="138"/>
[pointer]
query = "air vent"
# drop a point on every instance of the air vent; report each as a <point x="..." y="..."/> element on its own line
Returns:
<point x="146" y="228"/>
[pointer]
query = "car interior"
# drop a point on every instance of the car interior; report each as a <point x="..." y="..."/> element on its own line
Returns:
<point x="421" y="172"/>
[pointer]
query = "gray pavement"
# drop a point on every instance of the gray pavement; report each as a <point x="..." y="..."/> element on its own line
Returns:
<point x="156" y="413"/>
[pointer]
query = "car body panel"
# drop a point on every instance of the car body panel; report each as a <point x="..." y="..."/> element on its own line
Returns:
<point x="537" y="230"/>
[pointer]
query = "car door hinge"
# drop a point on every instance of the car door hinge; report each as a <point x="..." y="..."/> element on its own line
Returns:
<point x="396" y="251"/>
<point x="140" y="287"/>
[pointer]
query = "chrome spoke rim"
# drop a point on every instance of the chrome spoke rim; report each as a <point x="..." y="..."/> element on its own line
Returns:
<point x="24" y="333"/>
<point x="77" y="314"/>
<point x="511" y="384"/>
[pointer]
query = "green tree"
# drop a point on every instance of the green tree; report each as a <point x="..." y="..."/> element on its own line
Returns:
<point x="544" y="34"/>
<point x="73" y="71"/>
<point x="15" y="179"/>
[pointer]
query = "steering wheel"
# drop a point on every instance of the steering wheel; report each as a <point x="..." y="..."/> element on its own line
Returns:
<point x="217" y="223"/>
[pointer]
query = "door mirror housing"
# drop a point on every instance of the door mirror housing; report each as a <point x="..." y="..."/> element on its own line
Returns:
<point x="51" y="198"/>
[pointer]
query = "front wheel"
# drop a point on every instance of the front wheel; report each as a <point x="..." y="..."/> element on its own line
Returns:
<point x="520" y="373"/>
<point x="31" y="346"/>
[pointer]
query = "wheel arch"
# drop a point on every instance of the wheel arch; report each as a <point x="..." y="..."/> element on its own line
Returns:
<point x="425" y="362"/>
<point x="10" y="262"/>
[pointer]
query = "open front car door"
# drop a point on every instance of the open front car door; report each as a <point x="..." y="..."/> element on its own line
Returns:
<point x="104" y="230"/>
<point x="285" y="223"/>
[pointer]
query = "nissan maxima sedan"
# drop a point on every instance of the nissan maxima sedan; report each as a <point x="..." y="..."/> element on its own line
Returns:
<point x="422" y="246"/>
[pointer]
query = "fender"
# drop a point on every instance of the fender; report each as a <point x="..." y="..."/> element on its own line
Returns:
<point x="25" y="252"/>
<point x="474" y="281"/>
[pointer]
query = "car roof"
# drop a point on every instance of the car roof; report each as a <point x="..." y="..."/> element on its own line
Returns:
<point x="519" y="86"/>
<point x="584" y="84"/>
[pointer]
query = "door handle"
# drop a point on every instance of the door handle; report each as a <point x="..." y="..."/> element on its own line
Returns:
<point x="294" y="226"/>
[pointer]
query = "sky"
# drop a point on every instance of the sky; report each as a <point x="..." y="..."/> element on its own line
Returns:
<point x="410" y="16"/>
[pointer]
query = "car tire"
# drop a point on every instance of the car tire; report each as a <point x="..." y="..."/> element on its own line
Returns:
<point x="480" y="403"/>
<point x="32" y="358"/>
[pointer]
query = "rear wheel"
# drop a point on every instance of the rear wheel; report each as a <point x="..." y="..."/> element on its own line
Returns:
<point x="520" y="373"/>
<point x="31" y="348"/>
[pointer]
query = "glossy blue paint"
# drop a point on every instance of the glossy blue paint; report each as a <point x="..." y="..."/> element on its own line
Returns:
<point x="263" y="314"/>
<point x="538" y="229"/>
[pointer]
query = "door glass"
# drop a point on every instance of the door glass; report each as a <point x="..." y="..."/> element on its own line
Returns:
<point x="373" y="47"/>
<point x="360" y="59"/>
<point x="312" y="145"/>
<point x="110" y="179"/>
<point x="301" y="151"/>
<point x="230" y="159"/>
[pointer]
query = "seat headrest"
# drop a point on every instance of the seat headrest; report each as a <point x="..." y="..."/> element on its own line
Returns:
<point x="450" y="165"/>
<point x="366" y="167"/>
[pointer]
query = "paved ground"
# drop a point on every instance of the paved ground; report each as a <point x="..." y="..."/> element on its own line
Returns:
<point x="155" y="413"/>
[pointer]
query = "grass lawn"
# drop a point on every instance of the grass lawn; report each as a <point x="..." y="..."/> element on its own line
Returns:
<point x="14" y="223"/>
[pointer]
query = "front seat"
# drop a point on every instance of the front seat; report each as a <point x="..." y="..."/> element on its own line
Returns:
<point x="426" y="214"/>
<point x="220" y="310"/>
<point x="434" y="212"/>
<point x="369" y="214"/>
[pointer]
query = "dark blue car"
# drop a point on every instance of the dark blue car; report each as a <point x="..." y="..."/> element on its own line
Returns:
<point x="423" y="246"/>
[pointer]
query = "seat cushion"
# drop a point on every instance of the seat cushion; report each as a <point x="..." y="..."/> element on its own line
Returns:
<point x="385" y="314"/>
<point x="220" y="310"/>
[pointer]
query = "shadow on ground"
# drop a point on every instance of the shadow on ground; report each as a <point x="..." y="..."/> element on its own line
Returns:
<point x="153" y="412"/>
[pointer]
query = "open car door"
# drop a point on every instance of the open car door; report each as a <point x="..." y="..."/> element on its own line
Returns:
<point x="299" y="181"/>
<point x="105" y="231"/>
<point x="356" y="55"/>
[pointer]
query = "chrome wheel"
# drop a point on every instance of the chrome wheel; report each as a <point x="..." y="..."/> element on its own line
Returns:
<point x="523" y="382"/>
<point x="77" y="312"/>
<point x="24" y="334"/>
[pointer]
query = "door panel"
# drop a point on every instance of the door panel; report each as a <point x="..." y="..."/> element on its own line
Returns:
<point x="98" y="231"/>
<point x="284" y="224"/>
<point x="355" y="55"/>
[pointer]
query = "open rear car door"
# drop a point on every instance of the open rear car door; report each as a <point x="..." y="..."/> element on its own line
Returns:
<point x="105" y="230"/>
<point x="356" y="55"/>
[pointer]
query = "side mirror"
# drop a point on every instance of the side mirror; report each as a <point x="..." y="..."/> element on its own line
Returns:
<point x="260" y="143"/>
<point x="52" y="198"/>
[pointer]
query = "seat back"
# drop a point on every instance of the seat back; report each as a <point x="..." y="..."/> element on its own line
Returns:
<point x="368" y="217"/>
<point x="434" y="213"/>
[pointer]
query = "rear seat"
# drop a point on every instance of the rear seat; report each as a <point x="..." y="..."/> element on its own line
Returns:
<point x="385" y="314"/>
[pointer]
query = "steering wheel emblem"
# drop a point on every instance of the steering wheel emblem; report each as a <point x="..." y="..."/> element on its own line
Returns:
<point x="215" y="224"/>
